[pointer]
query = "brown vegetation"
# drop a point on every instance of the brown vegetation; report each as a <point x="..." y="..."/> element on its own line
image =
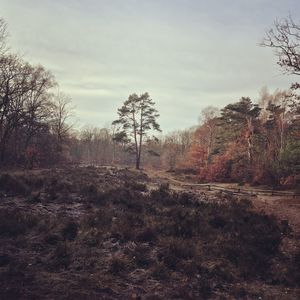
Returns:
<point x="99" y="233"/>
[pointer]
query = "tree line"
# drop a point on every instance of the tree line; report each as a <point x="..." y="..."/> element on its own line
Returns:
<point x="245" y="141"/>
<point x="256" y="142"/>
<point x="33" y="113"/>
<point x="248" y="142"/>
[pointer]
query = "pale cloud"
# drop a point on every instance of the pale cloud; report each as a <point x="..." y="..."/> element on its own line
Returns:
<point x="187" y="54"/>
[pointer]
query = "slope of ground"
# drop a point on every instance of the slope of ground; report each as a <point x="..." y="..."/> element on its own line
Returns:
<point x="101" y="233"/>
<point x="284" y="207"/>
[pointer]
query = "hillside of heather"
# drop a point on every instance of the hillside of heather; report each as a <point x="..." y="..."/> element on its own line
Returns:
<point x="108" y="233"/>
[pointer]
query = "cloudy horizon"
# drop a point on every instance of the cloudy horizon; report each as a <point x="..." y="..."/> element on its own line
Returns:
<point x="186" y="54"/>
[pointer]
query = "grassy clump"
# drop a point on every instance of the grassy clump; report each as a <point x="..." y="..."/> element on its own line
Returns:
<point x="61" y="257"/>
<point x="13" y="185"/>
<point x="14" y="222"/>
<point x="118" y="265"/>
<point x="70" y="230"/>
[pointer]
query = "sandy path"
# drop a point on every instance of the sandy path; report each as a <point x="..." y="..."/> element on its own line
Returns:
<point x="283" y="207"/>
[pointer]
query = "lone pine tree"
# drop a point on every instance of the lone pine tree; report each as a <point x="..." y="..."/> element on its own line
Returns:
<point x="137" y="117"/>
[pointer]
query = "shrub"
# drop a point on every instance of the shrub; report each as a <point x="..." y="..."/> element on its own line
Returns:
<point x="218" y="222"/>
<point x="35" y="182"/>
<point x="52" y="239"/>
<point x="100" y="219"/>
<point x="195" y="290"/>
<point x="188" y="267"/>
<point x="61" y="257"/>
<point x="146" y="235"/>
<point x="164" y="188"/>
<point x="187" y="199"/>
<point x="140" y="256"/>
<point x="123" y="231"/>
<point x="69" y="231"/>
<point x="14" y="185"/>
<point x="181" y="249"/>
<point x="89" y="190"/>
<point x="126" y="197"/>
<point x="186" y="222"/>
<point x="137" y="186"/>
<point x="254" y="240"/>
<point x="91" y="237"/>
<point x="159" y="271"/>
<point x="164" y="195"/>
<point x="5" y="260"/>
<point x="175" y="251"/>
<point x="118" y="264"/>
<point x="64" y="186"/>
<point x="293" y="270"/>
<point x="14" y="222"/>
<point x="34" y="197"/>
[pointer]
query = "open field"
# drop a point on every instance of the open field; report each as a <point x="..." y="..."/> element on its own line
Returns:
<point x="108" y="233"/>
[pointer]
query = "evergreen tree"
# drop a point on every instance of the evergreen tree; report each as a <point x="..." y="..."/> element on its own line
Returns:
<point x="137" y="117"/>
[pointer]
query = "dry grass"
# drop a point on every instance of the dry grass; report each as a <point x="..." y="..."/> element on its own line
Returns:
<point x="97" y="233"/>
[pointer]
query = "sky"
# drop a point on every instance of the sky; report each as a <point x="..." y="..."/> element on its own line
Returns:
<point x="187" y="54"/>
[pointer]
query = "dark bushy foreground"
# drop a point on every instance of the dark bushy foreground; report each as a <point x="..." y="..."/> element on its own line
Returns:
<point x="91" y="233"/>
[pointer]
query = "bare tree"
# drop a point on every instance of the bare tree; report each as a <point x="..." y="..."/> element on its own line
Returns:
<point x="3" y="36"/>
<point x="208" y="129"/>
<point x="175" y="146"/>
<point x="87" y="136"/>
<point x="62" y="112"/>
<point x="284" y="38"/>
<point x="30" y="117"/>
<point x="38" y="102"/>
<point x="24" y="102"/>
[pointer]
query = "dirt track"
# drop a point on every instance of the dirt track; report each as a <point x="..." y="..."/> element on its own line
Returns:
<point x="283" y="207"/>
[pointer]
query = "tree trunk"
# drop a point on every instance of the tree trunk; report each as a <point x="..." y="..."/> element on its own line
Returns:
<point x="249" y="149"/>
<point x="137" y="159"/>
<point x="140" y="139"/>
<point x="139" y="153"/>
<point x="249" y="139"/>
<point x="137" y="163"/>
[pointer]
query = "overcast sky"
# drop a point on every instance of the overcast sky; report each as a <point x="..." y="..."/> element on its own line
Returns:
<point x="187" y="54"/>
